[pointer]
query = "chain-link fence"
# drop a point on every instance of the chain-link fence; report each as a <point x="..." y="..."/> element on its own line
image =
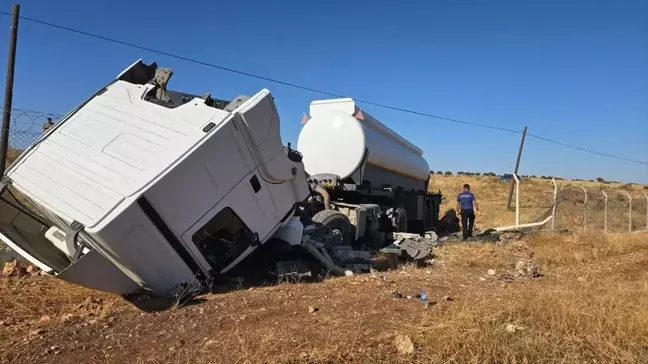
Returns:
<point x="26" y="127"/>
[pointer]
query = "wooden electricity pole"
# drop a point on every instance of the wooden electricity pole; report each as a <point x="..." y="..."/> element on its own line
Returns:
<point x="11" y="65"/>
<point x="517" y="165"/>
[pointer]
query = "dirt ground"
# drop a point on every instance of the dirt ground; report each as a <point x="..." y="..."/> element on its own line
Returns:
<point x="589" y="303"/>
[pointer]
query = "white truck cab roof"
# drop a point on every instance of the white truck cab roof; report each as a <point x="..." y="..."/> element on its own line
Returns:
<point x="109" y="149"/>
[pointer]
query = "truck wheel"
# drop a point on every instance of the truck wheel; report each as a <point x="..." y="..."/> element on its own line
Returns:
<point x="399" y="219"/>
<point x="336" y="221"/>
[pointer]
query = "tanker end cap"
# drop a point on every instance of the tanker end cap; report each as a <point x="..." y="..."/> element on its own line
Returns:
<point x="346" y="105"/>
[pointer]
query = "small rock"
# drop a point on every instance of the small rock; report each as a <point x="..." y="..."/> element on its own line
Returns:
<point x="447" y="298"/>
<point x="32" y="270"/>
<point x="404" y="345"/>
<point x="491" y="272"/>
<point x="482" y="279"/>
<point x="581" y="279"/>
<point x="409" y="297"/>
<point x="312" y="309"/>
<point x="303" y="355"/>
<point x="348" y="273"/>
<point x="210" y="342"/>
<point x="511" y="328"/>
<point x="37" y="332"/>
<point x="67" y="318"/>
<point x="44" y="319"/>
<point x="527" y="268"/>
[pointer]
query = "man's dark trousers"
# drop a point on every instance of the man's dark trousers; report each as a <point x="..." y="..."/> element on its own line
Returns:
<point x="467" y="222"/>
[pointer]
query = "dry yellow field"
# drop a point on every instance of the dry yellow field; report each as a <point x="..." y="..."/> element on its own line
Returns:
<point x="536" y="196"/>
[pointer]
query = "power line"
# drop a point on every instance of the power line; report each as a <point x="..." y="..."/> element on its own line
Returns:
<point x="587" y="150"/>
<point x="293" y="85"/>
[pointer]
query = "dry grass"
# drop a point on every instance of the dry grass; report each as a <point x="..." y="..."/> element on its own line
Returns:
<point x="536" y="196"/>
<point x="591" y="306"/>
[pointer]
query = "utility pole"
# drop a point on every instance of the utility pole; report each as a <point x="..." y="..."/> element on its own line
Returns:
<point x="517" y="165"/>
<point x="11" y="65"/>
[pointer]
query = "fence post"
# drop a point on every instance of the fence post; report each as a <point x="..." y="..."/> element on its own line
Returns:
<point x="585" y="213"/>
<point x="629" y="213"/>
<point x="605" y="212"/>
<point x="646" y="196"/>
<point x="8" y="99"/>
<point x="517" y="199"/>
<point x="555" y="202"/>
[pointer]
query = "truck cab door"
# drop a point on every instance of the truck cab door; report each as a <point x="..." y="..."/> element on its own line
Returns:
<point x="233" y="228"/>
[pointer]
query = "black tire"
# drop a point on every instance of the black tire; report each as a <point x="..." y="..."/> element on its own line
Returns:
<point x="335" y="220"/>
<point x="398" y="217"/>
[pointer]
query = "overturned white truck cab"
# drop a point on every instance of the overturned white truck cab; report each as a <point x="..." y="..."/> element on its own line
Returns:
<point x="144" y="188"/>
<point x="131" y="188"/>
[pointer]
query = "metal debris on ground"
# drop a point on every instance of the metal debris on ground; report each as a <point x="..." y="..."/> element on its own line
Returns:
<point x="414" y="245"/>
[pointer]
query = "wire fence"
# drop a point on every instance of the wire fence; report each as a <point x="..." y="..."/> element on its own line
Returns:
<point x="26" y="127"/>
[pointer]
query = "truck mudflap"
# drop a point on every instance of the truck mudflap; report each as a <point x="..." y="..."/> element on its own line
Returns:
<point x="93" y="270"/>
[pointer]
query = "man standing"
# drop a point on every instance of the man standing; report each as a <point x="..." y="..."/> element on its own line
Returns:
<point x="465" y="202"/>
<point x="47" y="125"/>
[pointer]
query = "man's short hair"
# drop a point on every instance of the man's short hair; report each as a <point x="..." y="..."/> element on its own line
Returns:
<point x="467" y="186"/>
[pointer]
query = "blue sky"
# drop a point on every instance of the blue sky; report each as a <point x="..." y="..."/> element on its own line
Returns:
<point x="573" y="71"/>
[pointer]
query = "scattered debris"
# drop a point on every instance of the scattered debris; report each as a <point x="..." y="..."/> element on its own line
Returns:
<point x="527" y="268"/>
<point x="312" y="309"/>
<point x="415" y="245"/>
<point x="404" y="345"/>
